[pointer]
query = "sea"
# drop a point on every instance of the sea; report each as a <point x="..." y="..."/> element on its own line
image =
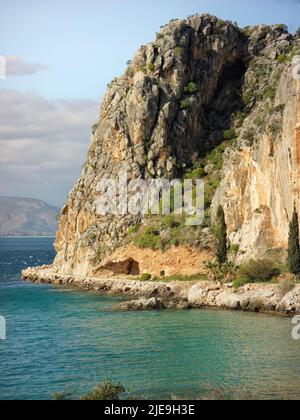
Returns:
<point x="66" y="339"/>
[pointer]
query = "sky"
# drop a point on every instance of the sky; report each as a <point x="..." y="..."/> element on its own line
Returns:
<point x="60" y="57"/>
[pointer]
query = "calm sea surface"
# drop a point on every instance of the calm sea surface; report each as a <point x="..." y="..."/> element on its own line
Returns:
<point x="58" y="338"/>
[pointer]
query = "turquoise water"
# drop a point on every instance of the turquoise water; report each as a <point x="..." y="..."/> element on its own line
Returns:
<point x="59" y="338"/>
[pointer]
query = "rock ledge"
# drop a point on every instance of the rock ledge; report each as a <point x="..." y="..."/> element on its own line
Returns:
<point x="264" y="298"/>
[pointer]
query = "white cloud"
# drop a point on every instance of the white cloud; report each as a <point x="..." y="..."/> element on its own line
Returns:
<point x="16" y="66"/>
<point x="43" y="144"/>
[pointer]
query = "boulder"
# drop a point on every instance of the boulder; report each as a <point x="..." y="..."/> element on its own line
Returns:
<point x="141" y="305"/>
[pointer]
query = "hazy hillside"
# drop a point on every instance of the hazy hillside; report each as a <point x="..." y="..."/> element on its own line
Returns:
<point x="27" y="217"/>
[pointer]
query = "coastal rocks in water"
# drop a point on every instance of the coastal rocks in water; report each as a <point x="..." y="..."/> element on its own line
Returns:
<point x="203" y="294"/>
<point x="228" y="300"/>
<point x="266" y="298"/>
<point x="141" y="305"/>
<point x="290" y="304"/>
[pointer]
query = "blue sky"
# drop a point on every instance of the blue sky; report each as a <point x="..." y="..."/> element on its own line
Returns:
<point x="63" y="54"/>
<point x="86" y="43"/>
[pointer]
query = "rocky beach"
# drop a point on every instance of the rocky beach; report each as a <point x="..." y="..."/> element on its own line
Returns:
<point x="268" y="298"/>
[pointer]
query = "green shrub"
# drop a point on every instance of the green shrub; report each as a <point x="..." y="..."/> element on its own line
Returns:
<point x="235" y="248"/>
<point x="62" y="396"/>
<point x="230" y="134"/>
<point x="294" y="245"/>
<point x="152" y="231"/>
<point x="177" y="52"/>
<point x="151" y="67"/>
<point x="148" y="240"/>
<point x="143" y="69"/>
<point x="145" y="277"/>
<point x="298" y="31"/>
<point x="221" y="236"/>
<point x="270" y="92"/>
<point x="259" y="121"/>
<point x="191" y="88"/>
<point x="185" y="104"/>
<point x="283" y="27"/>
<point x="133" y="229"/>
<point x="247" y="98"/>
<point x="282" y="58"/>
<point x="258" y="271"/>
<point x="197" y="172"/>
<point x="106" y="391"/>
<point x="159" y="36"/>
<point x="239" y="282"/>
<point x="221" y="23"/>
<point x="169" y="222"/>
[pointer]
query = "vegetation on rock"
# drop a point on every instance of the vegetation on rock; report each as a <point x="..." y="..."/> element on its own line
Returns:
<point x="191" y="88"/>
<point x="105" y="391"/>
<point x="145" y="277"/>
<point x="259" y="271"/>
<point x="294" y="245"/>
<point x="221" y="234"/>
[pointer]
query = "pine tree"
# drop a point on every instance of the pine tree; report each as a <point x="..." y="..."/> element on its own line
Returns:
<point x="222" y="246"/>
<point x="294" y="245"/>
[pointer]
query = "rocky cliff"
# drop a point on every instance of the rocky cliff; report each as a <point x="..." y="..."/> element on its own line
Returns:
<point x="208" y="97"/>
<point x="260" y="178"/>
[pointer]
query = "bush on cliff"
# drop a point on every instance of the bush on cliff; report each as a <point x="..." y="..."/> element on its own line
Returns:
<point x="258" y="271"/>
<point x="230" y="134"/>
<point x="191" y="88"/>
<point x="150" y="238"/>
<point x="145" y="277"/>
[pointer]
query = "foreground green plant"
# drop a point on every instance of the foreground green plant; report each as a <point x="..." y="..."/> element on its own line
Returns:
<point x="105" y="391"/>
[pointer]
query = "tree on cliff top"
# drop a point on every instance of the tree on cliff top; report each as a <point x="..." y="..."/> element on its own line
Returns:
<point x="294" y="245"/>
<point x="221" y="233"/>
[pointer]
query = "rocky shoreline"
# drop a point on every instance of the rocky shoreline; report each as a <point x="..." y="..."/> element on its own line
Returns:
<point x="264" y="298"/>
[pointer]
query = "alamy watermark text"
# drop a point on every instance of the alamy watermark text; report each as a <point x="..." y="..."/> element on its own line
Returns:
<point x="117" y="196"/>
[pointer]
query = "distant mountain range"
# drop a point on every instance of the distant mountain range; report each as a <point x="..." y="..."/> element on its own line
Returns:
<point x="27" y="217"/>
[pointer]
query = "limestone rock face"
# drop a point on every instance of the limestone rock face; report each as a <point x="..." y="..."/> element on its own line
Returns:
<point x="260" y="179"/>
<point x="171" y="109"/>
